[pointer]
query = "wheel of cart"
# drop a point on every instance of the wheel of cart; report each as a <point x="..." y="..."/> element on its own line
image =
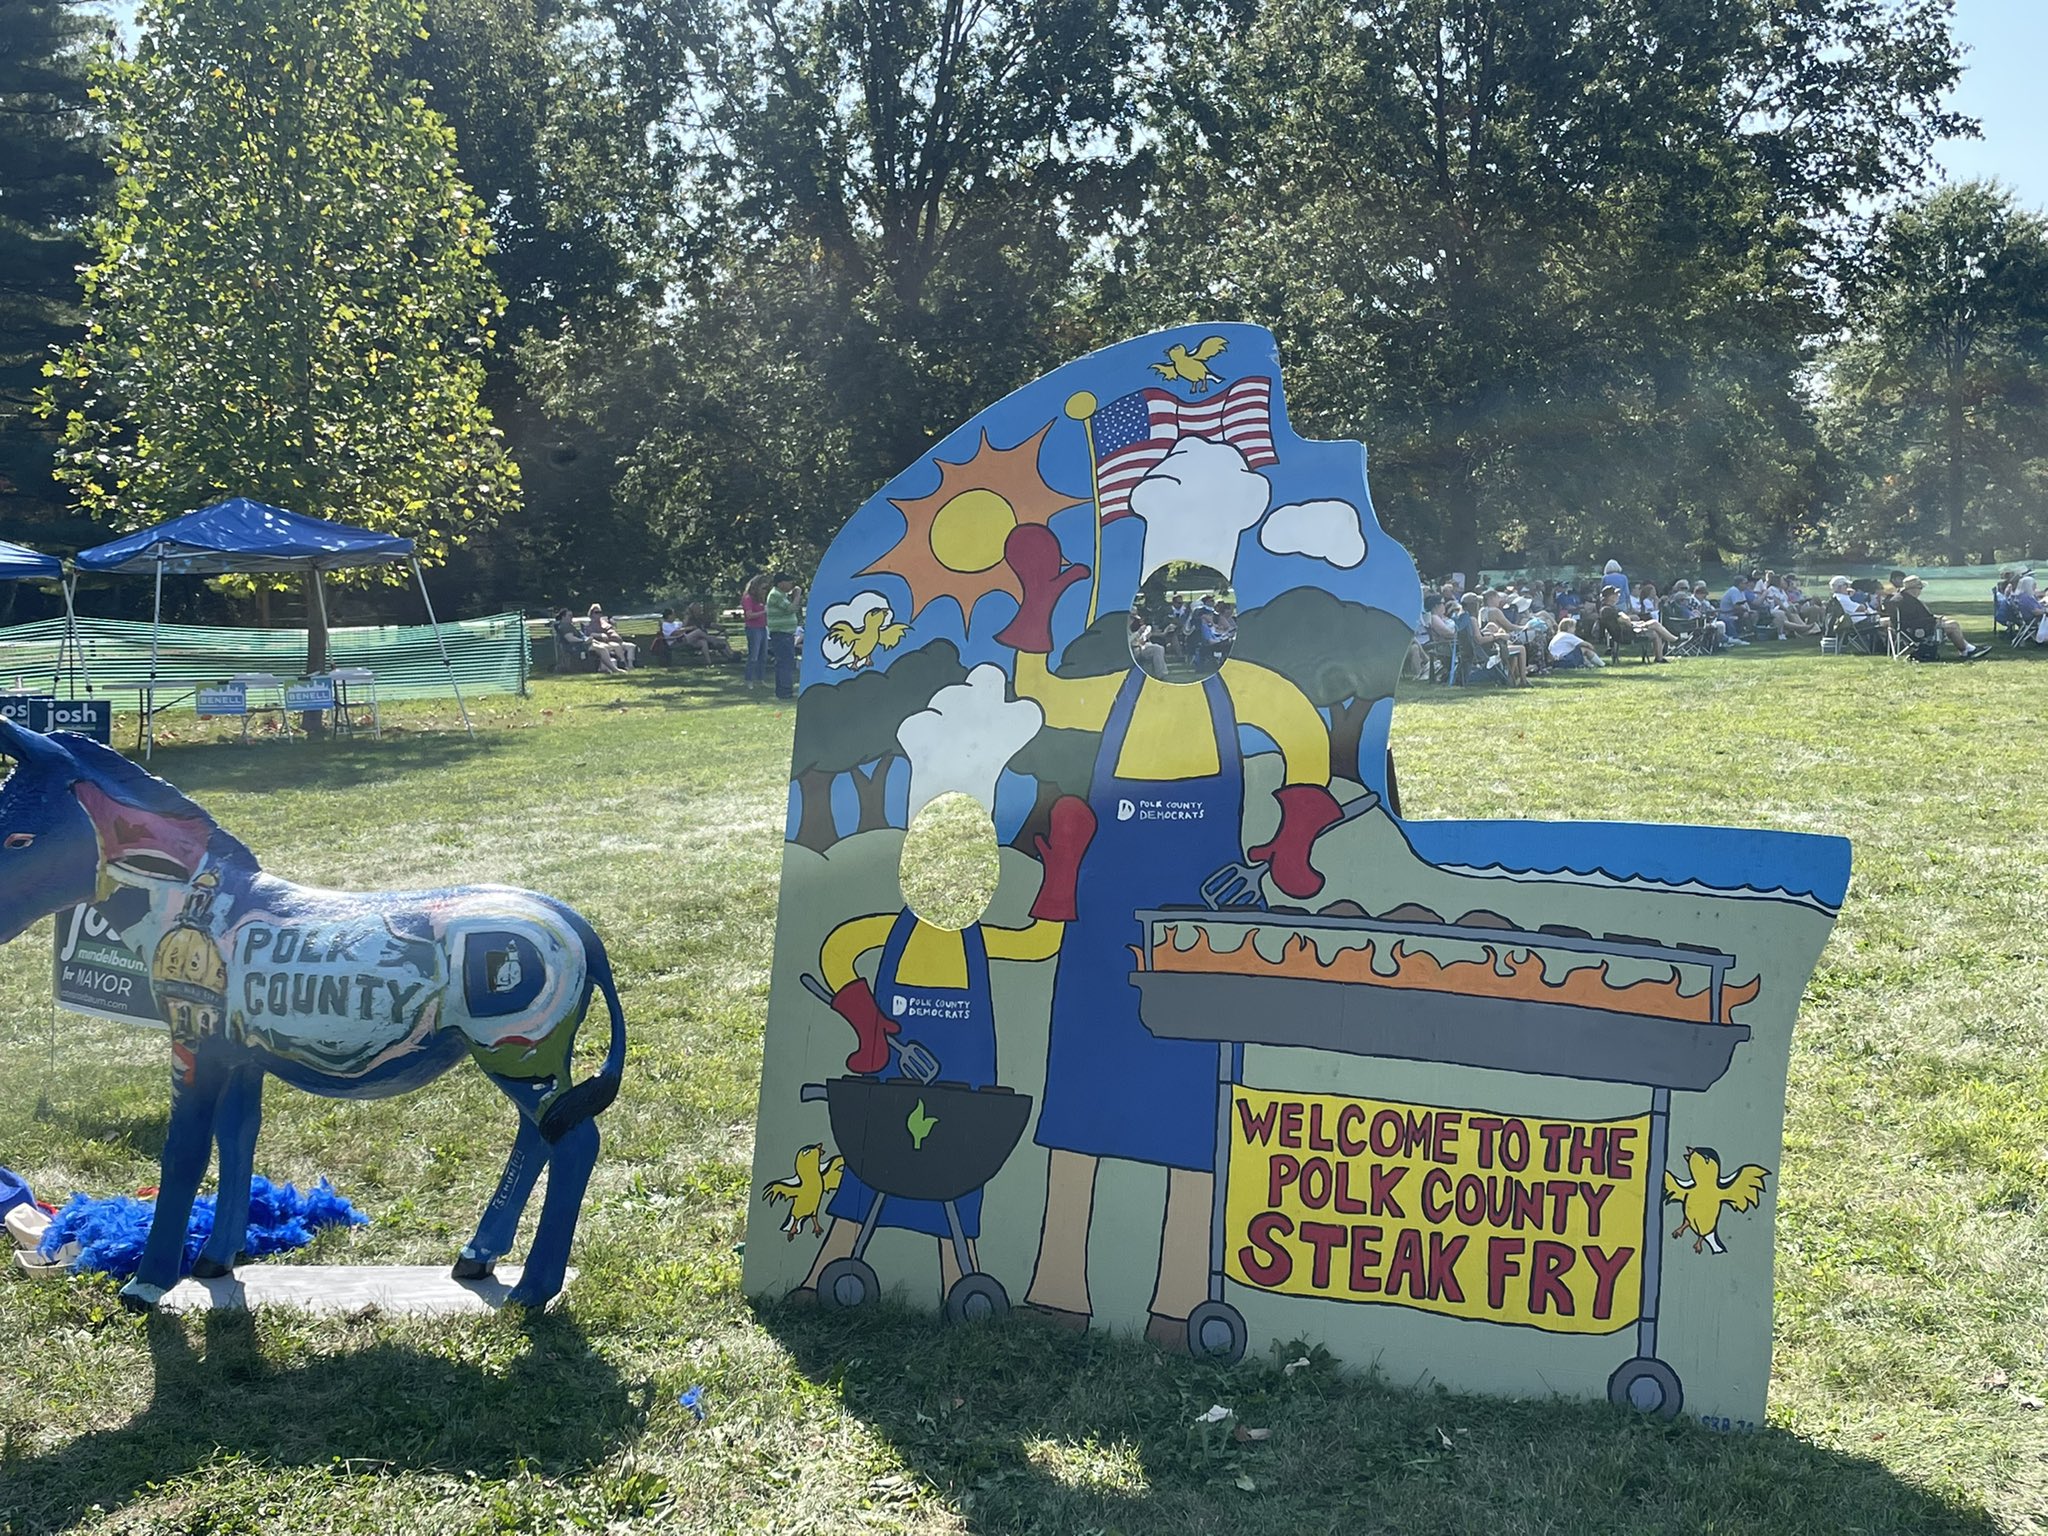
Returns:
<point x="1216" y="1332"/>
<point x="966" y="1134"/>
<point x="847" y="1283"/>
<point x="1648" y="1386"/>
<point x="976" y="1298"/>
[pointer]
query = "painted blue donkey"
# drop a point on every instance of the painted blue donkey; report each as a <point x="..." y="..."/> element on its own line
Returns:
<point x="344" y="995"/>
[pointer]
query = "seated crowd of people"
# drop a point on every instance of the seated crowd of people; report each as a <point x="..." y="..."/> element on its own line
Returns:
<point x="2018" y="609"/>
<point x="1510" y="632"/>
<point x="1192" y="630"/>
<point x="769" y="616"/>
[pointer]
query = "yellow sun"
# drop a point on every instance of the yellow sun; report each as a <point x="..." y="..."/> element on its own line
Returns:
<point x="968" y="531"/>
<point x="952" y="544"/>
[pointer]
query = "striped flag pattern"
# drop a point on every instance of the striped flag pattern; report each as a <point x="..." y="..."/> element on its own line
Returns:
<point x="1135" y="432"/>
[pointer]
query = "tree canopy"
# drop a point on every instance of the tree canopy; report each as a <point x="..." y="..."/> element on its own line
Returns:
<point x="51" y="170"/>
<point x="290" y="295"/>
<point x="1938" y="402"/>
<point x="1589" y="276"/>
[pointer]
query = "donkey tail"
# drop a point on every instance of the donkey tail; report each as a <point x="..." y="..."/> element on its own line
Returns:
<point x="593" y="1095"/>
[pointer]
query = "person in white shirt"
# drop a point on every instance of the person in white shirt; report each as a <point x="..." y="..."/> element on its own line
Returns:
<point x="1647" y="617"/>
<point x="1568" y="650"/>
<point x="1785" y="613"/>
<point x="1856" y="612"/>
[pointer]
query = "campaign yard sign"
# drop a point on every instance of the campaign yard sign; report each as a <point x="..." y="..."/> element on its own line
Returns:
<point x="42" y="712"/>
<point x="94" y="971"/>
<point x="229" y="699"/>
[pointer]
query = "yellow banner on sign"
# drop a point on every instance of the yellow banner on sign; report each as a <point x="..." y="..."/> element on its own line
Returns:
<point x="1513" y="1219"/>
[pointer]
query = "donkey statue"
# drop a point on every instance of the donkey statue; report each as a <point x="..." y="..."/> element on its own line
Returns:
<point x="344" y="995"/>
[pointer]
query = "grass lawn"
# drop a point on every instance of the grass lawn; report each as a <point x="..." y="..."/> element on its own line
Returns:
<point x="1912" y="1309"/>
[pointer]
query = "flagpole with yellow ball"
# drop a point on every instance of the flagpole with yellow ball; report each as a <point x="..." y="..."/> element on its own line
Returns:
<point x="1081" y="408"/>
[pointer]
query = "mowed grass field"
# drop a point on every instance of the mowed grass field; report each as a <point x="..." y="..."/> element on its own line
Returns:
<point x="1912" y="1308"/>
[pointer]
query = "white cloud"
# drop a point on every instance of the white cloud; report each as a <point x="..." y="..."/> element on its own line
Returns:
<point x="963" y="739"/>
<point x="1196" y="503"/>
<point x="1327" y="530"/>
<point x="853" y="613"/>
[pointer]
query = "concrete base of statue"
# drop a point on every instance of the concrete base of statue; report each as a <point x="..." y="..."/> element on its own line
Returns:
<point x="412" y="1290"/>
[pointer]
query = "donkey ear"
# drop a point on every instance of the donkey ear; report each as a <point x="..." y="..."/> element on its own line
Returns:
<point x="27" y="746"/>
<point x="142" y="841"/>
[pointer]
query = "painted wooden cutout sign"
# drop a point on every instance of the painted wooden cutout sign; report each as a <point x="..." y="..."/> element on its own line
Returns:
<point x="344" y="995"/>
<point x="1235" y="1055"/>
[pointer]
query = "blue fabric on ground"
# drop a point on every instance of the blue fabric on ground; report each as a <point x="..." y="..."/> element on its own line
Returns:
<point x="13" y="1191"/>
<point x="110" y="1232"/>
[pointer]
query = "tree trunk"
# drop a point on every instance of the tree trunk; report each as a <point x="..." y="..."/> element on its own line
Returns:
<point x="871" y="790"/>
<point x="314" y="721"/>
<point x="1461" y="523"/>
<point x="814" y="827"/>
<point x="1347" y="726"/>
<point x="1955" y="476"/>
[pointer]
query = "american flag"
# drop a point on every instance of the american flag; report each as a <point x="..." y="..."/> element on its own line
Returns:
<point x="1134" y="433"/>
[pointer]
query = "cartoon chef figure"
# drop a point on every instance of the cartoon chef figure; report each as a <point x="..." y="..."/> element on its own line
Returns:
<point x="936" y="980"/>
<point x="1168" y="795"/>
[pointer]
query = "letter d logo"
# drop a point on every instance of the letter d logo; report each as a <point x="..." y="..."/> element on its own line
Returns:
<point x="1125" y="810"/>
<point x="898" y="1003"/>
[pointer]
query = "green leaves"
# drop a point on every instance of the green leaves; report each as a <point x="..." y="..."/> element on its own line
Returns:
<point x="286" y="312"/>
<point x="1936" y="404"/>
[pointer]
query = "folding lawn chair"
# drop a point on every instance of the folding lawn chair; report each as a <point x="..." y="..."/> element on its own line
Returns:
<point x="2013" y="626"/>
<point x="1847" y="635"/>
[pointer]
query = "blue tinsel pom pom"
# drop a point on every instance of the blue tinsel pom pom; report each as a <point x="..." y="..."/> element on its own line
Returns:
<point x="110" y="1232"/>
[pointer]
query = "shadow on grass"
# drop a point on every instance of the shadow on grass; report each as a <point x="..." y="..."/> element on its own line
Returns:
<point x="203" y="766"/>
<point x="557" y="1408"/>
<point x="1027" y="1430"/>
<point x="140" y="1131"/>
<point x="686" y="686"/>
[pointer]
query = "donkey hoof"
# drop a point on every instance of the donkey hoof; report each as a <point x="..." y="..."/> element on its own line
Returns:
<point x="138" y="1296"/>
<point x="467" y="1268"/>
<point x="204" y="1268"/>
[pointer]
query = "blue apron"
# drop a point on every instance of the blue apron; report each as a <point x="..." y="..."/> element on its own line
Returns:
<point x="956" y="1025"/>
<point x="1112" y="1089"/>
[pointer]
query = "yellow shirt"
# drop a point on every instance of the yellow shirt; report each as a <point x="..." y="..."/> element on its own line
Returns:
<point x="932" y="957"/>
<point x="1171" y="735"/>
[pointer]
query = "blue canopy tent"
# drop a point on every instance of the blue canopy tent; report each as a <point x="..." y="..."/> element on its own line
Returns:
<point x="241" y="536"/>
<point x="21" y="564"/>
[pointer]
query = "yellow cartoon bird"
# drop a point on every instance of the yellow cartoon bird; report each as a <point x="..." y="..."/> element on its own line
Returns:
<point x="857" y="644"/>
<point x="1702" y="1197"/>
<point x="815" y="1178"/>
<point x="1193" y="367"/>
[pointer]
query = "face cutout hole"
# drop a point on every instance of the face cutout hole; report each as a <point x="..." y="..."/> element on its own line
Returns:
<point x="1183" y="623"/>
<point x="950" y="862"/>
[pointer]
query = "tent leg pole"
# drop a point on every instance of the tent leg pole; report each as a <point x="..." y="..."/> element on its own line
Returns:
<point x="326" y="641"/>
<point x="156" y="629"/>
<point x="63" y="645"/>
<point x="77" y="642"/>
<point x="453" y="681"/>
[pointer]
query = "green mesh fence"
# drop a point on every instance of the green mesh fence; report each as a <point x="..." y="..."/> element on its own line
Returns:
<point x="488" y="655"/>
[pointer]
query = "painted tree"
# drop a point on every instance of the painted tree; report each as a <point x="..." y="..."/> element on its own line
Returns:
<point x="850" y="727"/>
<point x="289" y="298"/>
<point x="1343" y="656"/>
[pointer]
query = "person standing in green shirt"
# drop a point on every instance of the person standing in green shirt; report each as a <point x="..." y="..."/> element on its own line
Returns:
<point x="785" y="612"/>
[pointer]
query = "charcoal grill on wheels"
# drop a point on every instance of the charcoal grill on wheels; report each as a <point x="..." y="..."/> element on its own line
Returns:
<point x="968" y="1134"/>
<point x="1504" y="1034"/>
